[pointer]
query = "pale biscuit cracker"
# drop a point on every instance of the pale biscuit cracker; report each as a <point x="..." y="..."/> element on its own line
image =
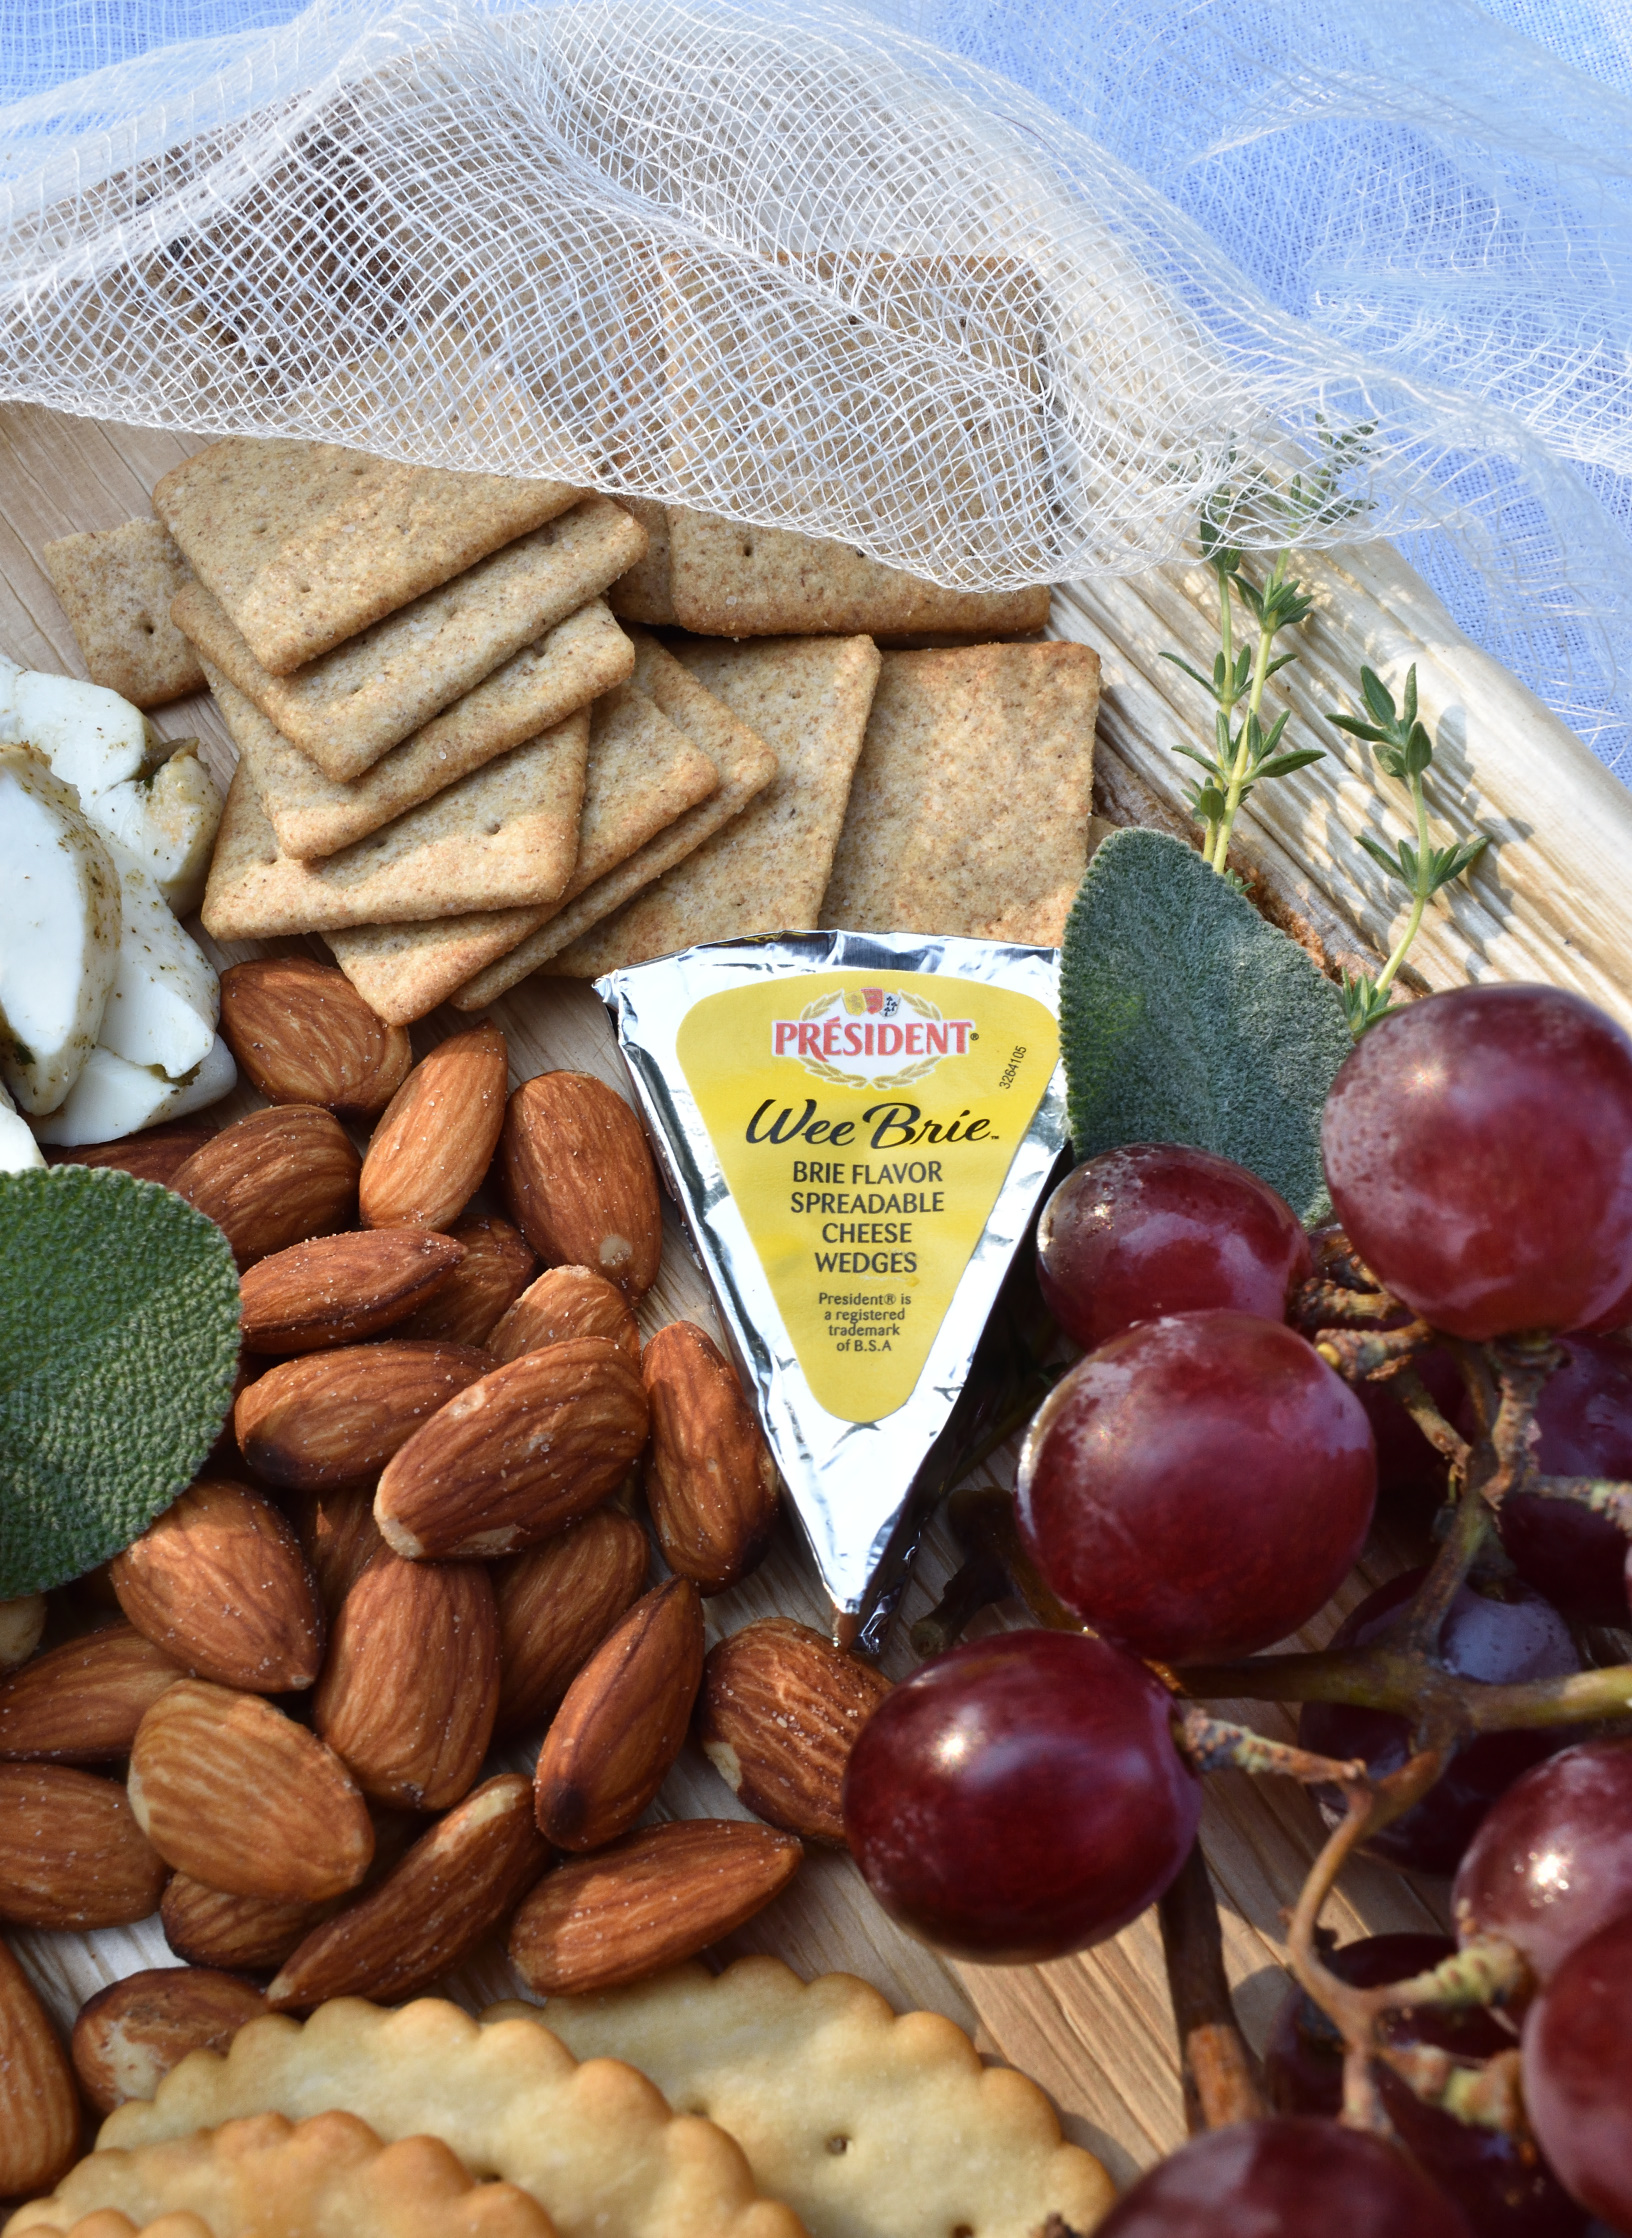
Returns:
<point x="969" y="810"/>
<point x="645" y="592"/>
<point x="115" y="586"/>
<point x="595" y="2144"/>
<point x="351" y="707"/>
<point x="643" y="773"/>
<point x="867" y="2125"/>
<point x="535" y="690"/>
<point x="305" y="544"/>
<point x="266" y="2177"/>
<point x="508" y="832"/>
<point x="767" y="870"/>
<point x="746" y="765"/>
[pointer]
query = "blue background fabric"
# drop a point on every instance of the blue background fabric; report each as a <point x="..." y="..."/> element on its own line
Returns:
<point x="1439" y="190"/>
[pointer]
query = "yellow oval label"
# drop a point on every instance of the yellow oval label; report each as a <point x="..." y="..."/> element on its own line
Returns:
<point x="865" y="1122"/>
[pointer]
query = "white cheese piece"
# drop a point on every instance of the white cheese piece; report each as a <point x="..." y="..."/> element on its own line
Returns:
<point x="91" y="737"/>
<point x="168" y="821"/>
<point x="113" y="1098"/>
<point x="18" y="1149"/>
<point x="165" y="998"/>
<point x="59" y="932"/>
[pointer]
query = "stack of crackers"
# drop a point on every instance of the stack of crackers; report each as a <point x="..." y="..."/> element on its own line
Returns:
<point x="467" y="754"/>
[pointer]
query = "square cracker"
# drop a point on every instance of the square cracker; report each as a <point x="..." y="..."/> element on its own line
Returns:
<point x="969" y="810"/>
<point x="867" y="2125"/>
<point x="644" y="773"/>
<point x="594" y="2144"/>
<point x="645" y="592"/>
<point x="304" y="544"/>
<point x="767" y="870"/>
<point x="268" y="2177"/>
<point x="746" y="765"/>
<point x="348" y="709"/>
<point x="115" y="586"/>
<point x="731" y="581"/>
<point x="507" y="833"/>
<point x="536" y="688"/>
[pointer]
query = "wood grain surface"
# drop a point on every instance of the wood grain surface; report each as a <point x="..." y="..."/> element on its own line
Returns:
<point x="1095" y="2029"/>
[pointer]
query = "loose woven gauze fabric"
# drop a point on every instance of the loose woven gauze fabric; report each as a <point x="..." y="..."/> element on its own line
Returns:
<point x="839" y="270"/>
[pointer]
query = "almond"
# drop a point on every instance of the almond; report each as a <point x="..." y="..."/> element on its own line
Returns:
<point x="516" y="1457"/>
<point x="220" y="1584"/>
<point x="622" y="1722"/>
<point x="22" y="1627"/>
<point x="82" y="1702"/>
<point x="657" y="1897"/>
<point x="337" y="1418"/>
<point x="129" y="2035"/>
<point x="777" y="1718"/>
<point x="302" y="1034"/>
<point x="336" y="1289"/>
<point x="339" y="1537"/>
<point x="411" y="1684"/>
<point x="39" y="2112"/>
<point x="497" y="1266"/>
<point x="565" y="1302"/>
<point x="580" y="1179"/>
<point x="230" y="1790"/>
<point x="710" y="1481"/>
<point x="437" y="1137"/>
<point x="208" y="1927"/>
<point x="274" y="1179"/>
<point x="465" y="1877"/>
<point x="556" y="1605"/>
<point x="156" y="1155"/>
<point x="72" y="1851"/>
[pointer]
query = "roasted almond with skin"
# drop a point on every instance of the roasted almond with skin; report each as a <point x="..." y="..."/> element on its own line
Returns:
<point x="39" y="2111"/>
<point x="777" y="1717"/>
<point x="436" y="1138"/>
<point x="565" y="1302"/>
<point x="337" y="1289"/>
<point x="622" y="1721"/>
<point x="462" y="1879"/>
<point x="72" y="1851"/>
<point x="274" y="1179"/>
<point x="157" y="1154"/>
<point x="303" y="1034"/>
<point x="129" y="2035"/>
<point x="516" y="1457"/>
<point x="710" y="1480"/>
<point x="556" y="1605"/>
<point x="497" y="1266"/>
<point x="339" y="1538"/>
<point x="657" y="1897"/>
<point x="82" y="1702"/>
<point x="337" y="1417"/>
<point x="231" y="1791"/>
<point x="411" y="1685"/>
<point x="245" y="1934"/>
<point x="220" y="1584"/>
<point x="580" y="1181"/>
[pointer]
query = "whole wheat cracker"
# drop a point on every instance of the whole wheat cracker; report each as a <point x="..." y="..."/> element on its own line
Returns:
<point x="969" y="810"/>
<point x="866" y="2124"/>
<point x="595" y="2144"/>
<point x="645" y="592"/>
<point x="507" y="832"/>
<point x="746" y="764"/>
<point x="305" y="544"/>
<point x="115" y="586"/>
<point x="767" y="870"/>
<point x="643" y="773"/>
<point x="351" y="707"/>
<point x="536" y="689"/>
<point x="267" y="2177"/>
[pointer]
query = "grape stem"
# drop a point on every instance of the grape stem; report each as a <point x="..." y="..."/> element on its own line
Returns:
<point x="1219" y="2073"/>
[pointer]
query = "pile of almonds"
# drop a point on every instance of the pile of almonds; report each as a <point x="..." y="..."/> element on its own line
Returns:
<point x="416" y="1540"/>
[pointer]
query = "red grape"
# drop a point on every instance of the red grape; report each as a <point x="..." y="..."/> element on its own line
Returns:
<point x="1500" y="2182"/>
<point x="1198" y="1487"/>
<point x="1020" y="1797"/>
<point x="1478" y="1149"/>
<point x="1503" y="1635"/>
<point x="1578" y="2072"/>
<point x="1157" y="1228"/>
<point x="1552" y="1862"/>
<point x="1285" y="2178"/>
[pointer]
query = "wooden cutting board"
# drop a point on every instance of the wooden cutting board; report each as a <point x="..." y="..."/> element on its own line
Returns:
<point x="1095" y="2029"/>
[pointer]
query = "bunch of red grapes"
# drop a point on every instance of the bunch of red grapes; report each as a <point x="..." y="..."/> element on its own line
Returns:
<point x="1195" y="1489"/>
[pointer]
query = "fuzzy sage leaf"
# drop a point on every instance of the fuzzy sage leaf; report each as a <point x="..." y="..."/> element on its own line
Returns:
<point x="1184" y="1017"/>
